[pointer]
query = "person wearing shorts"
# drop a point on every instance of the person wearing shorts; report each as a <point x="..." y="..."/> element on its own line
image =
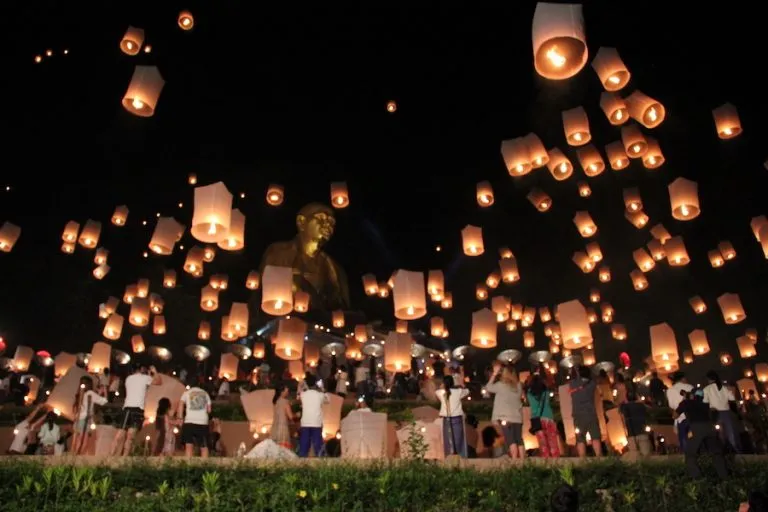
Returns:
<point x="582" y="389"/>
<point x="132" y="417"/>
<point x="507" y="407"/>
<point x="195" y="407"/>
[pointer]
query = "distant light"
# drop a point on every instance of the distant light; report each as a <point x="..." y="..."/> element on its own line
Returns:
<point x="143" y="223"/>
<point x="158" y="214"/>
<point x="66" y="52"/>
<point x="391" y="106"/>
<point x="148" y="48"/>
<point x="48" y="53"/>
<point x="38" y="59"/>
<point x="242" y="195"/>
<point x="181" y="247"/>
<point x="7" y="188"/>
<point x="438" y="248"/>
<point x="146" y="254"/>
<point x="181" y="205"/>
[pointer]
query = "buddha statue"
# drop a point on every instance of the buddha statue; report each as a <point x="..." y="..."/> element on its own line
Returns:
<point x="313" y="270"/>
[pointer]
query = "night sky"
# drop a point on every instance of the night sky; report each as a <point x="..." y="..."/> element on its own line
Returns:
<point x="255" y="96"/>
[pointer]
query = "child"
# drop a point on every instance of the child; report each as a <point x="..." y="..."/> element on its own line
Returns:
<point x="164" y="425"/>
<point x="49" y="434"/>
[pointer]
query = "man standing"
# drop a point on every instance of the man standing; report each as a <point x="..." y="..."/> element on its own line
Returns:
<point x="195" y="406"/>
<point x="702" y="435"/>
<point x="675" y="395"/>
<point x="311" y="431"/>
<point x="133" y="408"/>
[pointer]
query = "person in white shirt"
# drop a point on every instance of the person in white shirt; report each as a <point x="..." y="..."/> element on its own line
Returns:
<point x="82" y="410"/>
<point x="675" y="396"/>
<point x="454" y="439"/>
<point x="22" y="430"/>
<point x="341" y="381"/>
<point x="719" y="397"/>
<point x="311" y="431"/>
<point x="132" y="420"/>
<point x="49" y="434"/>
<point x="508" y="407"/>
<point x="223" y="388"/>
<point x="195" y="407"/>
<point x="361" y="378"/>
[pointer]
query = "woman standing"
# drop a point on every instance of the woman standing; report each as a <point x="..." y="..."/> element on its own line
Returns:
<point x="282" y="417"/>
<point x="508" y="407"/>
<point x="454" y="440"/>
<point x="719" y="397"/>
<point x="85" y="399"/>
<point x="164" y="425"/>
<point x="547" y="436"/>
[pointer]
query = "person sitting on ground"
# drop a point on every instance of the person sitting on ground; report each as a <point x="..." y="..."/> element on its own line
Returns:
<point x="493" y="444"/>
<point x="22" y="431"/>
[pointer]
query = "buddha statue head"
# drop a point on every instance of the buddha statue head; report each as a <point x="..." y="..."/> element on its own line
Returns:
<point x="315" y="223"/>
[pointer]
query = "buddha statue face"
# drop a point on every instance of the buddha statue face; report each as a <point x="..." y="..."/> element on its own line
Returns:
<point x="316" y="223"/>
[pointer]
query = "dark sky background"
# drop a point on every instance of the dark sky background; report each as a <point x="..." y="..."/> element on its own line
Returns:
<point x="297" y="97"/>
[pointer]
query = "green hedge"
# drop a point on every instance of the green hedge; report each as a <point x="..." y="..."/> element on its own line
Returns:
<point x="176" y="486"/>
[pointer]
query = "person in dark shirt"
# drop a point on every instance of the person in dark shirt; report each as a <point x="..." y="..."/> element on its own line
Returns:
<point x="657" y="389"/>
<point x="582" y="389"/>
<point x="634" y="413"/>
<point x="701" y="435"/>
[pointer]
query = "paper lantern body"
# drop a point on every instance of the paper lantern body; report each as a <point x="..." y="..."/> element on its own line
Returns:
<point x="114" y="327"/>
<point x="610" y="69"/>
<point x="275" y="194"/>
<point x="165" y="235"/>
<point x="276" y="292"/>
<point x="435" y="282"/>
<point x="698" y="305"/>
<point x="699" y="342"/>
<point x="653" y="157"/>
<point x="509" y="270"/>
<point x="574" y="325"/>
<point x="22" y="358"/>
<point x="645" y="110"/>
<point x="137" y="344"/>
<point x="101" y="354"/>
<point x="139" y="315"/>
<point x="539" y="199"/>
<point x="727" y="122"/>
<point x="635" y="145"/>
<point x="158" y="325"/>
<point x="733" y="311"/>
<point x="663" y="344"/>
<point x="235" y="239"/>
<point x="617" y="155"/>
<point x="339" y="195"/>
<point x="131" y="42"/>
<point x="639" y="281"/>
<point x="677" y="255"/>
<point x="364" y="435"/>
<point x="89" y="236"/>
<point x="559" y="166"/>
<point x="213" y="213"/>
<point x="301" y="301"/>
<point x="397" y="352"/>
<point x="684" y="198"/>
<point x="185" y="20"/>
<point x="204" y="331"/>
<point x="193" y="264"/>
<point x="585" y="224"/>
<point x="120" y="217"/>
<point x="62" y="397"/>
<point x="614" y="108"/>
<point x="590" y="160"/>
<point x="656" y="250"/>
<point x="559" y="43"/>
<point x="643" y="260"/>
<point x="408" y="295"/>
<point x="101" y="271"/>
<point x="144" y="91"/>
<point x="660" y="233"/>
<point x="576" y="126"/>
<point x="516" y="156"/>
<point x="62" y="363"/>
<point x="289" y="343"/>
<point x="228" y="366"/>
<point x="70" y="231"/>
<point x="746" y="347"/>
<point x="537" y="154"/>
<point x="484" y="194"/>
<point x="761" y="372"/>
<point x="472" y="238"/>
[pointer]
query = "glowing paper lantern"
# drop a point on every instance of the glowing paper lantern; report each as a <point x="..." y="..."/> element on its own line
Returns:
<point x="635" y="145"/>
<point x="228" y="365"/>
<point x="253" y="280"/>
<point x="559" y="166"/>
<point x="23" y="358"/>
<point x="610" y="69"/>
<point x="757" y="224"/>
<point x="529" y="339"/>
<point x="167" y="232"/>
<point x="472" y="238"/>
<point x="687" y="356"/>
<point x="746" y="347"/>
<point x="238" y="318"/>
<point x="500" y="306"/>
<point x="632" y="200"/>
<point x="614" y="108"/>
<point x="509" y="270"/>
<point x="493" y="280"/>
<point x="617" y="155"/>
<point x="101" y="271"/>
<point x="169" y="278"/>
<point x="383" y="290"/>
<point x="726" y="249"/>
<point x="639" y="280"/>
<point x="583" y="261"/>
<point x="70" y="231"/>
<point x="559" y="44"/>
<point x="584" y="190"/>
<point x="361" y="333"/>
<point x="656" y="250"/>
<point x="142" y="288"/>
<point x="143" y="92"/>
<point x="101" y="256"/>
<point x="606" y="311"/>
<point x="235" y="239"/>
<point x="761" y="372"/>
<point x="276" y="293"/>
<point x="185" y="20"/>
<point x="120" y="217"/>
<point x="339" y="194"/>
<point x="114" y="327"/>
<point x="337" y="318"/>
<point x="677" y="255"/>
<point x="585" y="224"/>
<point x="660" y="233"/>
<point x="594" y="296"/>
<point x="139" y="315"/>
<point x="590" y="160"/>
<point x="730" y="305"/>
<point x="227" y="332"/>
<point x="663" y="344"/>
<point x="481" y="292"/>
<point x="715" y="258"/>
<point x="653" y="157"/>
<point x="643" y="260"/>
<point x="370" y="285"/>
<point x="645" y="110"/>
<point x="604" y="274"/>
<point x="301" y="301"/>
<point x="483" y="333"/>
<point x="130" y="293"/>
<point x="537" y="154"/>
<point x="408" y="295"/>
<point x="506" y="253"/>
<point x="698" y="304"/>
<point x="684" y="197"/>
<point x="401" y="326"/>
<point x="594" y="252"/>
<point x="619" y="332"/>
<point x="751" y="333"/>
<point x="576" y="126"/>
<point x="204" y="331"/>
<point x="9" y="235"/>
<point x="213" y="213"/>
<point x="638" y="219"/>
<point x="258" y="350"/>
<point x="156" y="303"/>
<point x="89" y="236"/>
<point x="484" y="194"/>
<point x="447" y="302"/>
<point x="574" y="325"/>
<point x="727" y="122"/>
<point x="516" y="156"/>
<point x="539" y="199"/>
<point x="435" y="282"/>
<point x="131" y="42"/>
<point x="397" y="352"/>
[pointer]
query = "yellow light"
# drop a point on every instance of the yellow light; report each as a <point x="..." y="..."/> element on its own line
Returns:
<point x="614" y="79"/>
<point x="38" y="59"/>
<point x="727" y="131"/>
<point x="619" y="115"/>
<point x="148" y="48"/>
<point x="555" y="57"/>
<point x="129" y="45"/>
<point x="651" y="114"/>
<point x="137" y="103"/>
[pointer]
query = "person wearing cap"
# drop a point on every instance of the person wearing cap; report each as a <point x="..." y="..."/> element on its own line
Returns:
<point x="675" y="396"/>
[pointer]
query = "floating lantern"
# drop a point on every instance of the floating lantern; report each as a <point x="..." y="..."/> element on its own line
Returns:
<point x="70" y="231"/>
<point x="143" y="92"/>
<point x="258" y="350"/>
<point x="559" y="44"/>
<point x="516" y="311"/>
<point x="726" y="249"/>
<point x="235" y="239"/>
<point x="167" y="232"/>
<point x="238" y="318"/>
<point x="660" y="233"/>
<point x="227" y="332"/>
<point x="228" y="365"/>
<point x="130" y="293"/>
<point x="677" y="255"/>
<point x="638" y="219"/>
<point x="101" y="354"/>
<point x="337" y="318"/>
<point x="632" y="200"/>
<point x="684" y="197"/>
<point x="493" y="280"/>
<point x="500" y="306"/>
<point x="397" y="352"/>
<point x="139" y="315"/>
<point x="131" y="42"/>
<point x="156" y="303"/>
<point x="663" y="344"/>
<point x="590" y="160"/>
<point x="529" y="339"/>
<point x="727" y="122"/>
<point x="687" y="356"/>
<point x="639" y="280"/>
<point x="114" y="327"/>
<point x="185" y="20"/>
<point x="447" y="302"/>
<point x="635" y="145"/>
<point x="370" y="285"/>
<point x="339" y="194"/>
<point x="537" y="154"/>
<point x="594" y="252"/>
<point x="591" y="316"/>
<point x="275" y="194"/>
<point x="725" y="359"/>
<point x="761" y="372"/>
<point x="574" y="325"/>
<point x="383" y="290"/>
<point x="606" y="311"/>
<point x="101" y="271"/>
<point x="559" y="166"/>
<point x="408" y="295"/>
<point x="472" y="238"/>
<point x="9" y="235"/>
<point x="746" y="347"/>
<point x="529" y="314"/>
<point x="435" y="282"/>
<point x="617" y="155"/>
<point x="656" y="250"/>
<point x="204" y="331"/>
<point x="730" y="305"/>
<point x="209" y="298"/>
<point x="301" y="301"/>
<point x="101" y="256"/>
<point x="576" y="126"/>
<point x="604" y="274"/>
<point x="516" y="156"/>
<point x="158" y="325"/>
<point x="619" y="332"/>
<point x="481" y="292"/>
<point x="588" y="356"/>
<point x="653" y="157"/>
<point x="89" y="236"/>
<point x="436" y="326"/>
<point x="585" y="224"/>
<point x="715" y="258"/>
<point x="509" y="270"/>
<point x="483" y="333"/>
<point x="645" y="110"/>
<point x="484" y="194"/>
<point x="209" y="252"/>
<point x="584" y="190"/>
<point x="213" y="213"/>
<point x="698" y="304"/>
<point x="22" y="358"/>
<point x="594" y="295"/>
<point x="506" y="253"/>
<point x="511" y="325"/>
<point x="539" y="199"/>
<point x="583" y="261"/>
<point x="361" y="333"/>
<point x="276" y="294"/>
<point x="401" y="326"/>
<point x="614" y="107"/>
<point x="757" y="224"/>
<point x="545" y="314"/>
<point x="610" y="69"/>
<point x="193" y="264"/>
<point x="643" y="260"/>
<point x="751" y="333"/>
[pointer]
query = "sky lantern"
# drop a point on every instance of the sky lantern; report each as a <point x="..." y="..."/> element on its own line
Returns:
<point x="142" y="287"/>
<point x="158" y="325"/>
<point x="509" y="270"/>
<point x="114" y="327"/>
<point x="130" y="294"/>
<point x="619" y="332"/>
<point x="89" y="236"/>
<point x="131" y="42"/>
<point x="506" y="253"/>
<point x="726" y="249"/>
<point x="617" y="155"/>
<point x="715" y="258"/>
<point x="120" y="217"/>
<point x="447" y="302"/>
<point x="639" y="281"/>
<point x="583" y="261"/>
<point x="253" y="280"/>
<point x="101" y="353"/>
<point x="591" y="161"/>
<point x="101" y="256"/>
<point x="539" y="199"/>
<point x="604" y="274"/>
<point x="301" y="301"/>
<point x="516" y="311"/>
<point x="559" y="43"/>
<point x="435" y="282"/>
<point x="337" y="318"/>
<point x="484" y="194"/>
<point x="610" y="69"/>
<point x="143" y="91"/>
<point x="529" y="339"/>
<point x="645" y="110"/>
<point x="761" y="372"/>
<point x="584" y="223"/>
<point x="529" y="315"/>
<point x="209" y="253"/>
<point x="594" y="295"/>
<point x="339" y="194"/>
<point x="584" y="190"/>
<point x="559" y="165"/>
<point x="370" y="285"/>
<point x="757" y="224"/>
<point x="361" y="333"/>
<point x="481" y="292"/>
<point x="639" y="218"/>
<point x="139" y="315"/>
<point x="500" y="306"/>
<point x="730" y="305"/>
<point x="746" y="347"/>
<point x="698" y="304"/>
<point x="574" y="325"/>
<point x="653" y="157"/>
<point x="22" y="358"/>
<point x="727" y="122"/>
<point x="643" y="260"/>
<point x="238" y="317"/>
<point x="684" y="197"/>
<point x="227" y="332"/>
<point x="165" y="235"/>
<point x="275" y="194"/>
<point x="614" y="108"/>
<point x="725" y="359"/>
<point x="591" y="315"/>
<point x="212" y="214"/>
<point x="185" y="20"/>
<point x="544" y="314"/>
<point x="472" y="238"/>
<point x="71" y="230"/>
<point x="635" y="145"/>
<point x="9" y="235"/>
<point x="656" y="250"/>
<point x="537" y="154"/>
<point x="408" y="295"/>
<point x="511" y="325"/>
<point x="235" y="239"/>
<point x="687" y="356"/>
<point x="209" y="298"/>
<point x="576" y="126"/>
<point x="193" y="264"/>
<point x="751" y="333"/>
<point x="632" y="200"/>
<point x="289" y="342"/>
<point x="483" y="333"/>
<point x="397" y="352"/>
<point x="663" y="344"/>
<point x="436" y="326"/>
<point x="383" y="290"/>
<point x="110" y="306"/>
<point x="606" y="311"/>
<point x="660" y="233"/>
<point x="516" y="156"/>
<point x="493" y="280"/>
<point x="312" y="355"/>
<point x="156" y="303"/>
<point x="204" y="331"/>
<point x="101" y="271"/>
<point x="277" y="290"/>
<point x="677" y="255"/>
